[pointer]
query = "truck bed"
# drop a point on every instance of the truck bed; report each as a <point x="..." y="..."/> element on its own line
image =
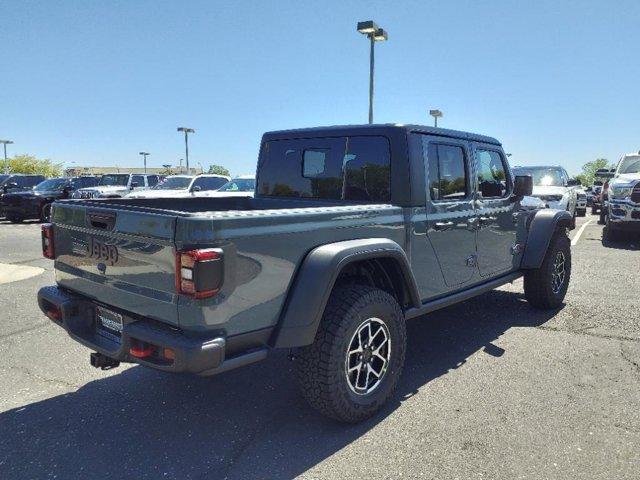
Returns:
<point x="264" y="240"/>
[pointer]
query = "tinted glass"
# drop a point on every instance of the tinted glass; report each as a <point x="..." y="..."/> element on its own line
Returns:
<point x="152" y="180"/>
<point x="139" y="179"/>
<point x="447" y="172"/>
<point x="239" y="185"/>
<point x="492" y="174"/>
<point x="543" y="176"/>
<point x="53" y="184"/>
<point x="354" y="168"/>
<point x="174" y="183"/>
<point x="209" y="183"/>
<point x="3" y="178"/>
<point x="114" y="179"/>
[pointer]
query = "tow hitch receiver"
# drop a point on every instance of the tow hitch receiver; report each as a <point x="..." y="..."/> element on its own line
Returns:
<point x="103" y="362"/>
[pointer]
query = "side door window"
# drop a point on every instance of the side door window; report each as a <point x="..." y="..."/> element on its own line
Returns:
<point x="450" y="210"/>
<point x="139" y="179"/>
<point x="492" y="175"/>
<point x="152" y="180"/>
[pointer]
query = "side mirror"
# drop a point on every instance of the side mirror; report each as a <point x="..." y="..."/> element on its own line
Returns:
<point x="197" y="188"/>
<point x="573" y="183"/>
<point x="134" y="185"/>
<point x="523" y="186"/>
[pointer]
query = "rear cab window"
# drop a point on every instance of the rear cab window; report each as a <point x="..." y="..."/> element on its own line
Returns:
<point x="356" y="168"/>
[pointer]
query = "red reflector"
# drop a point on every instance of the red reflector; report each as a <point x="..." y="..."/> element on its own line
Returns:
<point x="169" y="354"/>
<point x="141" y="349"/>
<point x="54" y="313"/>
<point x="48" y="250"/>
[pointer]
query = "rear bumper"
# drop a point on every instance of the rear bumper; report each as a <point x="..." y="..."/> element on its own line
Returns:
<point x="192" y="353"/>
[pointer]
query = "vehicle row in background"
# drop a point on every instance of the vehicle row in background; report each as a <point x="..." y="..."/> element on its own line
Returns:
<point x="36" y="203"/>
<point x="555" y="188"/>
<point x="116" y="185"/>
<point x="182" y="186"/>
<point x="621" y="197"/>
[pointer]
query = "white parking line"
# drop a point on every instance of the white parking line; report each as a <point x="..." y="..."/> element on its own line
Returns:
<point x="574" y="242"/>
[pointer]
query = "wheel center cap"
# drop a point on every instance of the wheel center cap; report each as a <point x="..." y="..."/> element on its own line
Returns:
<point x="366" y="355"/>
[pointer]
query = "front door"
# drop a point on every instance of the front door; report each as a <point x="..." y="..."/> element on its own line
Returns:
<point x="450" y="210"/>
<point x="496" y="212"/>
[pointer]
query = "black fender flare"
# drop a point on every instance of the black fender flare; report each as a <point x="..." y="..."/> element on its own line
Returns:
<point x="541" y="228"/>
<point x="314" y="281"/>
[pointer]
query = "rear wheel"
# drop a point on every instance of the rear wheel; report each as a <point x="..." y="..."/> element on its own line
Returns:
<point x="14" y="218"/>
<point x="546" y="287"/>
<point x="355" y="361"/>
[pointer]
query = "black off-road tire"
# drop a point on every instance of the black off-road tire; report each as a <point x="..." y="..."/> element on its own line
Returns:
<point x="573" y="220"/>
<point x="14" y="219"/>
<point x="611" y="233"/>
<point x="603" y="217"/>
<point x="320" y="367"/>
<point x="594" y="210"/>
<point x="582" y="212"/>
<point x="538" y="283"/>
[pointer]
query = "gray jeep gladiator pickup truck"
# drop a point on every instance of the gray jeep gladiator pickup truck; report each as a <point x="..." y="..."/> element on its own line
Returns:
<point x="353" y="230"/>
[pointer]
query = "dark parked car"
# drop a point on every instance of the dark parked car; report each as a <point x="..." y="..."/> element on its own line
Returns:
<point x="17" y="183"/>
<point x="36" y="203"/>
<point x="351" y="232"/>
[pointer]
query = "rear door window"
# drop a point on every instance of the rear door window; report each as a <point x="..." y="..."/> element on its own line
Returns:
<point x="447" y="173"/>
<point x="139" y="179"/>
<point x="338" y="168"/>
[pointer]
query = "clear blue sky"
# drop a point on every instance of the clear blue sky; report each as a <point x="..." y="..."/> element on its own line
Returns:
<point x="558" y="82"/>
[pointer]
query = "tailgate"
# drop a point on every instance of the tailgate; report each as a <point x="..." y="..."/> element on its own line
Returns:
<point x="123" y="259"/>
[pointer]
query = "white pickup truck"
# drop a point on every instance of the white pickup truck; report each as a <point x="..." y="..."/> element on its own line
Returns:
<point x="622" y="212"/>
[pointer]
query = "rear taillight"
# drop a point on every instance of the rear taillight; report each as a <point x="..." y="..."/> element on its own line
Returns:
<point x="48" y="249"/>
<point x="199" y="273"/>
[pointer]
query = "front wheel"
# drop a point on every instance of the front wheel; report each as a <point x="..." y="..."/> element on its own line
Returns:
<point x="355" y="361"/>
<point x="603" y="217"/>
<point x="546" y="287"/>
<point x="582" y="212"/>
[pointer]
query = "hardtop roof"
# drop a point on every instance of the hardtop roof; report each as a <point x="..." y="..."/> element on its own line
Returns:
<point x="375" y="129"/>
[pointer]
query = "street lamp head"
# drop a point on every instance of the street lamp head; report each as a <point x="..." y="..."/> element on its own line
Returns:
<point x="380" y="35"/>
<point x="368" y="27"/>
<point x="435" y="113"/>
<point x="186" y="130"/>
<point x="6" y="142"/>
<point x="145" y="153"/>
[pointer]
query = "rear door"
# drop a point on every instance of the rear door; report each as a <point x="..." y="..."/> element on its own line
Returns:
<point x="496" y="211"/>
<point x="124" y="258"/>
<point x="451" y="213"/>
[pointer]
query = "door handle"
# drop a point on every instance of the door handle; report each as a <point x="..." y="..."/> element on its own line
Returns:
<point x="485" y="220"/>
<point x="443" y="226"/>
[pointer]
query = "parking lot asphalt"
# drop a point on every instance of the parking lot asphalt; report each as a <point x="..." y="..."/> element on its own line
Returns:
<point x="491" y="389"/>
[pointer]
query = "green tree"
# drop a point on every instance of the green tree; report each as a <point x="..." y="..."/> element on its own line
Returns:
<point x="30" y="164"/>
<point x="219" y="170"/>
<point x="589" y="170"/>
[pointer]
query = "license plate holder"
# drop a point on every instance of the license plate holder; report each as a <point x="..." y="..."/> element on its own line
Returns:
<point x="109" y="324"/>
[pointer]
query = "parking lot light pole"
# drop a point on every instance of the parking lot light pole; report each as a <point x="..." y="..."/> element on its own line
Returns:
<point x="375" y="34"/>
<point x="435" y="114"/>
<point x="186" y="131"/>
<point x="145" y="154"/>
<point x="6" y="163"/>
